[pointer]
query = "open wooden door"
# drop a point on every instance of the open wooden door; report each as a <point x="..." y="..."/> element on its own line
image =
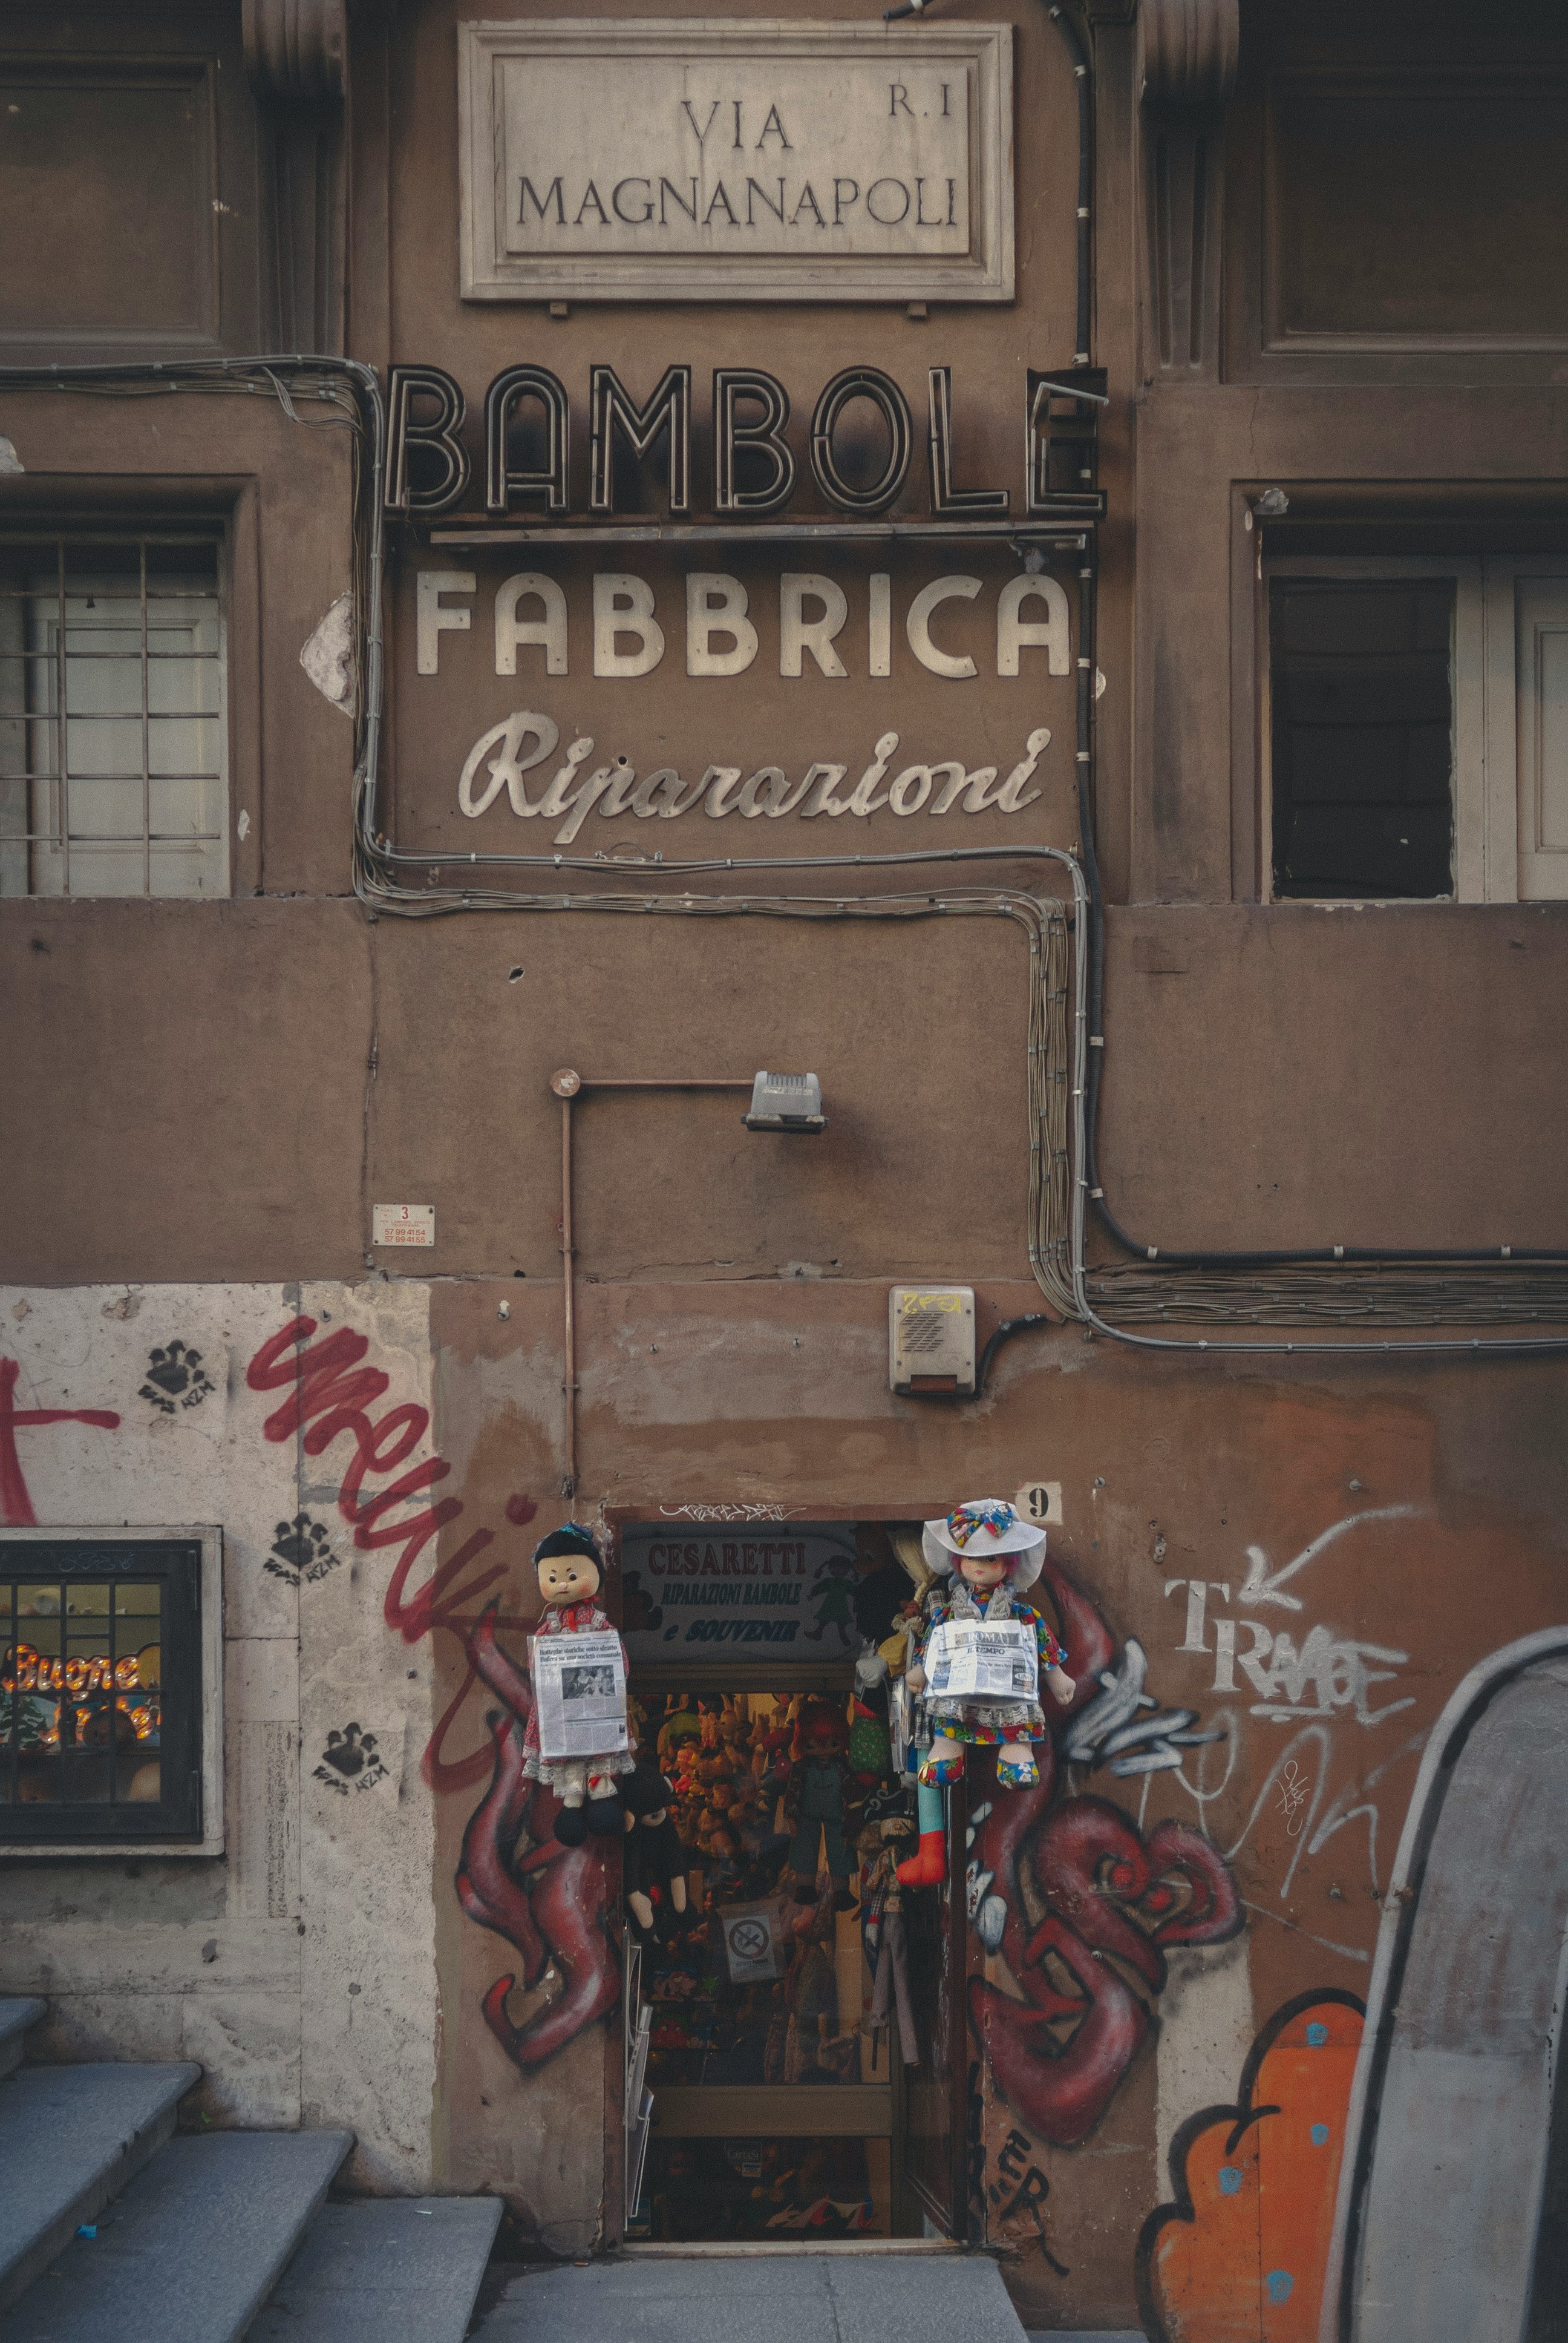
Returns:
<point x="935" y="2092"/>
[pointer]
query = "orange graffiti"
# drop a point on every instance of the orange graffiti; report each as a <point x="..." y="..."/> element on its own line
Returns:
<point x="1239" y="2257"/>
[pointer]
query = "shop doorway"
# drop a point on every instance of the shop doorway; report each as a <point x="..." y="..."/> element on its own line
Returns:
<point x="778" y="2108"/>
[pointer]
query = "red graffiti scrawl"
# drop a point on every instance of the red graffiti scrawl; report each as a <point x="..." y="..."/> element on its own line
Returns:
<point x="1110" y="1902"/>
<point x="550" y="1902"/>
<point x="15" y="1505"/>
<point x="331" y="1392"/>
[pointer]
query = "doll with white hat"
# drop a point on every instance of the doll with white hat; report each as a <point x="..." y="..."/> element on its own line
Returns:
<point x="986" y="1557"/>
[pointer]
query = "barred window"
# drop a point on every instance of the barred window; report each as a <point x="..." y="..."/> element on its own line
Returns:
<point x="113" y="734"/>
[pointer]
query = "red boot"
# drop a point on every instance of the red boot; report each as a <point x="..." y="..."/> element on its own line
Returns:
<point x="928" y="1868"/>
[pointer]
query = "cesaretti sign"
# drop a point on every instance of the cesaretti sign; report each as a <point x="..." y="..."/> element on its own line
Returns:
<point x="757" y="1593"/>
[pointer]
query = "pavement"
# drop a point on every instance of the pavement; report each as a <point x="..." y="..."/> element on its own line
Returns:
<point x="797" y="2298"/>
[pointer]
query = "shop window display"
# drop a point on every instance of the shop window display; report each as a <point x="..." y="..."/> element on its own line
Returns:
<point x="788" y="1885"/>
<point x="102" y="1693"/>
<point x="765" y="1981"/>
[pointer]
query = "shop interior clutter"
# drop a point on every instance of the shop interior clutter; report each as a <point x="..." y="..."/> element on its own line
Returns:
<point x="767" y="1977"/>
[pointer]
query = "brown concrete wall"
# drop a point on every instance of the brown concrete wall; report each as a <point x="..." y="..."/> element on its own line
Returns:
<point x="205" y="1102"/>
<point x="1377" y="1505"/>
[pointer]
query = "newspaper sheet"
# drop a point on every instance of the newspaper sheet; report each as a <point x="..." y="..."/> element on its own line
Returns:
<point x="982" y="1659"/>
<point x="899" y="1722"/>
<point x="579" y="1692"/>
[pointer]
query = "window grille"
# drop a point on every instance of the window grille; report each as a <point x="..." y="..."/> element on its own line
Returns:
<point x="113" y="716"/>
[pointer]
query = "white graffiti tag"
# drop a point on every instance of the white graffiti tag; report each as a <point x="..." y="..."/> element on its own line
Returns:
<point x="1113" y="1732"/>
<point x="1335" y="1671"/>
<point x="1324" y="1675"/>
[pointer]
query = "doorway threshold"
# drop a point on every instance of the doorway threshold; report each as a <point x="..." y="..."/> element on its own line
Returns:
<point x="747" y="2248"/>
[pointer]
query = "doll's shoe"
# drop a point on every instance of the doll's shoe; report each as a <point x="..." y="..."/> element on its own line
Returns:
<point x="1016" y="1773"/>
<point x="928" y="1868"/>
<point x="602" y="1817"/>
<point x="571" y="1826"/>
<point x="945" y="1763"/>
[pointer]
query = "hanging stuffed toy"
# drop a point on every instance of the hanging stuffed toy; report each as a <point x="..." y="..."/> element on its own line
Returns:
<point x="653" y="1873"/>
<point x="568" y="1561"/>
<point x="970" y="1693"/>
<point x="815" y="1803"/>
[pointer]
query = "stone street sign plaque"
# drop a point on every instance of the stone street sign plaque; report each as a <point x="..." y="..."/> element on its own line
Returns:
<point x="704" y="159"/>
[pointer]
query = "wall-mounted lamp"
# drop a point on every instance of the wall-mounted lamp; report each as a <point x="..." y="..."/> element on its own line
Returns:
<point x="789" y="1103"/>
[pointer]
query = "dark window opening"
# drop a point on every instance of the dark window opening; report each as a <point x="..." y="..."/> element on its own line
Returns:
<point x="1363" y="737"/>
<point x="100" y="1690"/>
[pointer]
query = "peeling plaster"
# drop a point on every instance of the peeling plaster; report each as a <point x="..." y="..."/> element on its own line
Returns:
<point x="328" y="657"/>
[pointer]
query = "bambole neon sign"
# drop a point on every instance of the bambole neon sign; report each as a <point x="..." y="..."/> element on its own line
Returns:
<point x="756" y="470"/>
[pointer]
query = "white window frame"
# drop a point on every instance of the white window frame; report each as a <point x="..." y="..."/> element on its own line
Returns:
<point x="49" y="850"/>
<point x="1505" y="572"/>
<point x="211" y="1842"/>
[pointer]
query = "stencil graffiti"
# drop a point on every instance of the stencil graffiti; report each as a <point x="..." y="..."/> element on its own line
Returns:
<point x="1056" y="1885"/>
<point x="176" y="1379"/>
<point x="301" y="1551"/>
<point x="350" y="1761"/>
<point x="551" y="1904"/>
<point x="332" y="1393"/>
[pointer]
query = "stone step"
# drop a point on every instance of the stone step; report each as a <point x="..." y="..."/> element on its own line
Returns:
<point x="193" y="2248"/>
<point x="70" y="2139"/>
<point x="386" y="2269"/>
<point x="15" y="2017"/>
<point x="804" y="2298"/>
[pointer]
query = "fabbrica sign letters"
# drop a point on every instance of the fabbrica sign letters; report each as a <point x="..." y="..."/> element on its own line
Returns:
<point x="583" y="709"/>
<point x="710" y="160"/>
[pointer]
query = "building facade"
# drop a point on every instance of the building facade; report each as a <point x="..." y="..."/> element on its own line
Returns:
<point x="1020" y="566"/>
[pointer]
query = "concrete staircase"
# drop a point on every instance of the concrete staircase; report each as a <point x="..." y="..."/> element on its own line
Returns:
<point x="111" y="2224"/>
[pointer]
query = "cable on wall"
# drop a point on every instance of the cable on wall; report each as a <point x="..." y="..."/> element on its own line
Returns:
<point x="1058" y="1183"/>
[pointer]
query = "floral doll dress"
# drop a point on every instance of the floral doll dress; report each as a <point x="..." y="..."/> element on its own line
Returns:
<point x="564" y="1773"/>
<point x="983" y="1722"/>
